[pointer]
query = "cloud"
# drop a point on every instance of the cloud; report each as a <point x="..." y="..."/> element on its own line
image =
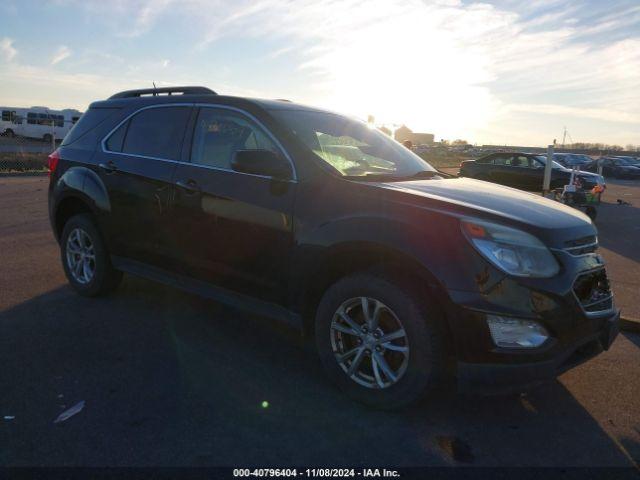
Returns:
<point x="606" y="114"/>
<point x="7" y="50"/>
<point x="60" y="54"/>
<point x="446" y="66"/>
<point x="458" y="68"/>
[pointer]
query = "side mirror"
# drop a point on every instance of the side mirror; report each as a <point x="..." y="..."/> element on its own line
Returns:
<point x="261" y="162"/>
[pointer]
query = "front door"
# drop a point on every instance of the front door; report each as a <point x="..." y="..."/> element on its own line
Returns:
<point x="234" y="229"/>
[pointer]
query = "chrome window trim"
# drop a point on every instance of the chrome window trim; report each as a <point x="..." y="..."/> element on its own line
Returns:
<point x="103" y="143"/>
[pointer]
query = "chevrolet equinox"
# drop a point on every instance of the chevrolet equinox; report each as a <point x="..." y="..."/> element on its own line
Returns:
<point x="402" y="275"/>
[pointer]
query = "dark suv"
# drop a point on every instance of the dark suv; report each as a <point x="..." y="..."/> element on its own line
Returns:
<point x="403" y="275"/>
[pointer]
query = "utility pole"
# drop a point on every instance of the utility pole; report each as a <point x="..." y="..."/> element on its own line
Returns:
<point x="546" y="183"/>
<point x="564" y="136"/>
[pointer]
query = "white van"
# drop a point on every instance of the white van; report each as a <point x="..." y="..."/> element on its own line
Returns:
<point x="9" y="120"/>
<point x="37" y="122"/>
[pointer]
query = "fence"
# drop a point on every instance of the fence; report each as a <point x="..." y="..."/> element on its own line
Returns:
<point x="19" y="154"/>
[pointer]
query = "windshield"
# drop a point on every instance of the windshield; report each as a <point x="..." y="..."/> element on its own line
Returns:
<point x="574" y="159"/>
<point x="626" y="161"/>
<point x="543" y="160"/>
<point x="351" y="147"/>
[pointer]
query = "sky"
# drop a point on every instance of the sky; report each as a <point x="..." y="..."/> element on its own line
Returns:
<point x="491" y="72"/>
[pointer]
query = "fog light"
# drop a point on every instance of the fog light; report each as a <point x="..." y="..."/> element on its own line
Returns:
<point x="516" y="333"/>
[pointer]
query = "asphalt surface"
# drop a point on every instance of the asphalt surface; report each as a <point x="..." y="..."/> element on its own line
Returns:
<point x="619" y="235"/>
<point x="169" y="379"/>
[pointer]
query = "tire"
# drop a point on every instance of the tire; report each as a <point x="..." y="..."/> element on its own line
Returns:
<point x="81" y="236"/>
<point x="9" y="133"/>
<point x="47" y="137"/>
<point x="416" y="374"/>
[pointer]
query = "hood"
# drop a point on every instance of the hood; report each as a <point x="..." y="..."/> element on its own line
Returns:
<point x="558" y="221"/>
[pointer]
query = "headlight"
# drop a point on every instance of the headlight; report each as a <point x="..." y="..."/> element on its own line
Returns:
<point x="513" y="251"/>
<point x="516" y="333"/>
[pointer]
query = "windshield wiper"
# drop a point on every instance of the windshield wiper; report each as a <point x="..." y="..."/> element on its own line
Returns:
<point x="388" y="177"/>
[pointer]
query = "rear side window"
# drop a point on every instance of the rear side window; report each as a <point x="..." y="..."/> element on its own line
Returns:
<point x="501" y="160"/>
<point x="156" y="132"/>
<point x="115" y="141"/>
<point x="88" y="121"/>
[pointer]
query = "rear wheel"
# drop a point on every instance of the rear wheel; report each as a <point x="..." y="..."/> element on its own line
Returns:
<point x="9" y="133"/>
<point x="377" y="342"/>
<point x="85" y="258"/>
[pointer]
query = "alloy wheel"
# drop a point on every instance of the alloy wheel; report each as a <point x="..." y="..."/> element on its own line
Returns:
<point x="81" y="258"/>
<point x="369" y="342"/>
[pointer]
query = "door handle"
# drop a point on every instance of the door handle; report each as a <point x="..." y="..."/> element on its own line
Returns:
<point x="108" y="167"/>
<point x="190" y="186"/>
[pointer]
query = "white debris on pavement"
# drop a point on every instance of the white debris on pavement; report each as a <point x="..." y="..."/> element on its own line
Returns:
<point x="67" y="414"/>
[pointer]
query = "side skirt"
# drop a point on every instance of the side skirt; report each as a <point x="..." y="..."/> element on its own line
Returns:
<point x="207" y="290"/>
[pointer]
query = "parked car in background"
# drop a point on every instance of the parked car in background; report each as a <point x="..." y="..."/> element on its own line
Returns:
<point x="571" y="160"/>
<point x="616" y="167"/>
<point x="524" y="171"/>
<point x="401" y="276"/>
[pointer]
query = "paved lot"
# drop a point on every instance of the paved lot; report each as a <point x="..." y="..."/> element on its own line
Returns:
<point x="172" y="379"/>
<point x="619" y="227"/>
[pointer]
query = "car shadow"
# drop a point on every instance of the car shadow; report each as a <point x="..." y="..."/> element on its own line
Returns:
<point x="618" y="224"/>
<point x="618" y="229"/>
<point x="170" y="379"/>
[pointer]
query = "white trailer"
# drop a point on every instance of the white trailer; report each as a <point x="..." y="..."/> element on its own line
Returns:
<point x="37" y="122"/>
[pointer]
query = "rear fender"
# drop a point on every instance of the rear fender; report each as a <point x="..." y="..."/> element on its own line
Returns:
<point x="83" y="184"/>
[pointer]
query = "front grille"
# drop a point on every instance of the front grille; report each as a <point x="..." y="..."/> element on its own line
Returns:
<point x="582" y="246"/>
<point x="593" y="291"/>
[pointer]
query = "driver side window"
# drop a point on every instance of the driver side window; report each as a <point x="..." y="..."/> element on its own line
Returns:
<point x="219" y="133"/>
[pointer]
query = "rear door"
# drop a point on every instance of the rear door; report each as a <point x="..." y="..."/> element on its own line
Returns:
<point x="514" y="172"/>
<point x="136" y="163"/>
<point x="498" y="171"/>
<point x="234" y="229"/>
<point x="532" y="175"/>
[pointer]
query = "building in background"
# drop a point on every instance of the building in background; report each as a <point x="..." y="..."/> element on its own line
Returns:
<point x="404" y="133"/>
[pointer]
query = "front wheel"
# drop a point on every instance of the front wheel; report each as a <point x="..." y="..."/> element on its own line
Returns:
<point x="85" y="258"/>
<point x="377" y="342"/>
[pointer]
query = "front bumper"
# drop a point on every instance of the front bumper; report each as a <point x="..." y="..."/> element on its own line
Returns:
<point x="493" y="378"/>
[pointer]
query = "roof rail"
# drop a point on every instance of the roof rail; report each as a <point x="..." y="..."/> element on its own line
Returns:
<point x="164" y="90"/>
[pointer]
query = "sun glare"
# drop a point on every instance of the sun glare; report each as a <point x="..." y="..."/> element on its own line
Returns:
<point x="407" y="70"/>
